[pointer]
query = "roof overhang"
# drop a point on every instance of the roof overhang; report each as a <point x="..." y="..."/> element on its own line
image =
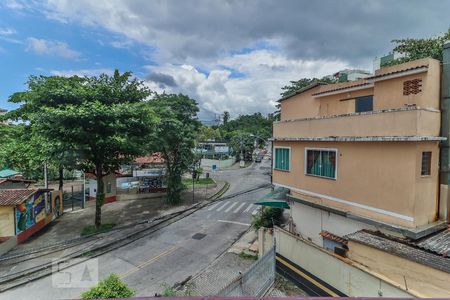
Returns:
<point x="345" y="90"/>
<point x="361" y="139"/>
<point x="400" y="74"/>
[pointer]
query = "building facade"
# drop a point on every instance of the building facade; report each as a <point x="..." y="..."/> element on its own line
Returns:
<point x="363" y="154"/>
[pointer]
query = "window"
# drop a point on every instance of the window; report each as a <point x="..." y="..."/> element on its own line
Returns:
<point x="282" y="158"/>
<point x="321" y="162"/>
<point x="426" y="163"/>
<point x="108" y="188"/>
<point x="364" y="103"/>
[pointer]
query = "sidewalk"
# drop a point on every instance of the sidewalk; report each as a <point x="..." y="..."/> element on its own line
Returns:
<point x="237" y="259"/>
<point x="121" y="212"/>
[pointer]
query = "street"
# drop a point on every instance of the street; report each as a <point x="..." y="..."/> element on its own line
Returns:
<point x="175" y="252"/>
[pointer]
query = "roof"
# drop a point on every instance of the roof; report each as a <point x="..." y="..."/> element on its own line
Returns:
<point x="3" y="180"/>
<point x="155" y="158"/>
<point x="15" y="196"/>
<point x="438" y="243"/>
<point x="333" y="237"/>
<point x="400" y="249"/>
<point x="343" y="86"/>
<point x="7" y="173"/>
<point x="360" y="139"/>
<point x="302" y="90"/>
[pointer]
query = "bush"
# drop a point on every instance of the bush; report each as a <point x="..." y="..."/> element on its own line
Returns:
<point x="111" y="287"/>
<point x="268" y="217"/>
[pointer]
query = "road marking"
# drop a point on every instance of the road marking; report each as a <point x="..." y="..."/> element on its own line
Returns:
<point x="225" y="204"/>
<point x="239" y="208"/>
<point x="213" y="206"/>
<point x="255" y="211"/>
<point x="231" y="206"/>
<point x="149" y="261"/>
<point x="249" y="207"/>
<point x="233" y="222"/>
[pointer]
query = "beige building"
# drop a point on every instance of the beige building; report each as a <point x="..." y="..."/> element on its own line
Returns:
<point x="362" y="157"/>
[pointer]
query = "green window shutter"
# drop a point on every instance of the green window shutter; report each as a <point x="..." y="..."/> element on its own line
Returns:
<point x="282" y="159"/>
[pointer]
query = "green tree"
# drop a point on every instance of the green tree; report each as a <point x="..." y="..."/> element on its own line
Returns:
<point x="208" y="133"/>
<point x="226" y="117"/>
<point x="175" y="138"/>
<point x="104" y="119"/>
<point x="413" y="49"/>
<point x="111" y="287"/>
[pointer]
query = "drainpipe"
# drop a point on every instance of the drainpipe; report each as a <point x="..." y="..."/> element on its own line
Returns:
<point x="445" y="123"/>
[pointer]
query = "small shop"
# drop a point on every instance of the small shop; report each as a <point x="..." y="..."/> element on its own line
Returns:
<point x="23" y="212"/>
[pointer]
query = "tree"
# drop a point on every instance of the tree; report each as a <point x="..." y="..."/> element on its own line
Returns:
<point x="207" y="133"/>
<point x="110" y="287"/>
<point x="175" y="138"/>
<point x="226" y="117"/>
<point x="104" y="119"/>
<point x="413" y="49"/>
<point x="294" y="86"/>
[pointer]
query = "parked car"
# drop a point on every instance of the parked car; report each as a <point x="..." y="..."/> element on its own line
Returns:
<point x="258" y="159"/>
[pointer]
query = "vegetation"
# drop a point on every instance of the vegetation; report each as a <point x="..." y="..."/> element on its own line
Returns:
<point x="188" y="182"/>
<point x="97" y="122"/>
<point x="268" y="217"/>
<point x="248" y="256"/>
<point x="413" y="49"/>
<point x="91" y="229"/>
<point x="175" y="137"/>
<point x="111" y="287"/>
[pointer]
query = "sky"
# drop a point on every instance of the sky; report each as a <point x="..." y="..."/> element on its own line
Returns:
<point x="228" y="55"/>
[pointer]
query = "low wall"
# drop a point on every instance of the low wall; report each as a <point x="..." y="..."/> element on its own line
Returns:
<point x="343" y="274"/>
<point x="226" y="163"/>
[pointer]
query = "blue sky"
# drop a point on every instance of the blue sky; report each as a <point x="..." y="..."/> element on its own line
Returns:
<point x="228" y="55"/>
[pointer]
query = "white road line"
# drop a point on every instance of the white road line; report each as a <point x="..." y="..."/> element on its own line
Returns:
<point x="255" y="211"/>
<point x="239" y="208"/>
<point x="249" y="207"/>
<point x="213" y="206"/>
<point x="231" y="206"/>
<point x="225" y="204"/>
<point x="233" y="222"/>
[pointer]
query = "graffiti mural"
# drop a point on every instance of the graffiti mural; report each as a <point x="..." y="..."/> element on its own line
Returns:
<point x="40" y="206"/>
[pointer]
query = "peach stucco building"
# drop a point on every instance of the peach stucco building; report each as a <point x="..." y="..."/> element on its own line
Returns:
<point x="363" y="154"/>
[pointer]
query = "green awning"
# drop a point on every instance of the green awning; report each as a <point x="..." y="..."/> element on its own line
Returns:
<point x="276" y="198"/>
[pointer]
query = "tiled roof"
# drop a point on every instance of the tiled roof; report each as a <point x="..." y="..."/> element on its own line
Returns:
<point x="306" y="88"/>
<point x="438" y="243"/>
<point x="343" y="86"/>
<point x="397" y="71"/>
<point x="400" y="249"/>
<point x="15" y="196"/>
<point x="154" y="158"/>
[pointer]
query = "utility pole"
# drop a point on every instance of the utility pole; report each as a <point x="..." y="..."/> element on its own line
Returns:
<point x="84" y="189"/>
<point x="45" y="175"/>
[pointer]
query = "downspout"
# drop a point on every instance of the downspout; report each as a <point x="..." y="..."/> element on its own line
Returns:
<point x="445" y="122"/>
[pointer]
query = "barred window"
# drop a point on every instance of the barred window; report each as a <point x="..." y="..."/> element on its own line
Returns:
<point x="426" y="163"/>
<point x="282" y="158"/>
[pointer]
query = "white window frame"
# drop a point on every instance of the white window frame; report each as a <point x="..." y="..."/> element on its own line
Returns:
<point x="275" y="159"/>
<point x="335" y="150"/>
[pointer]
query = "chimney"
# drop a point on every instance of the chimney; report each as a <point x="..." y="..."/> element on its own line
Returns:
<point x="444" y="203"/>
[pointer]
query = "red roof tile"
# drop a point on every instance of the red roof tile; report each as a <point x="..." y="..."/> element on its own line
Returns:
<point x="155" y="158"/>
<point x="15" y="196"/>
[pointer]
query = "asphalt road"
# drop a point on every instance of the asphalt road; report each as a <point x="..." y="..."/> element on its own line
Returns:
<point x="171" y="254"/>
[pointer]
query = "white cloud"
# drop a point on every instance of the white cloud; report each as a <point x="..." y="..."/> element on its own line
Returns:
<point x="7" y="31"/>
<point x="264" y="72"/>
<point x="49" y="47"/>
<point x="82" y="72"/>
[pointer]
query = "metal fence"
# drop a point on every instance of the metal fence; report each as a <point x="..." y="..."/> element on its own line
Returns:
<point x="256" y="281"/>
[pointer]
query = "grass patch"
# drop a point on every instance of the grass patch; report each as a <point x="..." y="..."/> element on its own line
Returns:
<point x="188" y="182"/>
<point x="90" y="229"/>
<point x="248" y="256"/>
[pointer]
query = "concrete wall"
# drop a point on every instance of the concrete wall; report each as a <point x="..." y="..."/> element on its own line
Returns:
<point x="300" y="106"/>
<point x="411" y="122"/>
<point x="7" y="222"/>
<point x="409" y="275"/>
<point x="378" y="180"/>
<point x="207" y="163"/>
<point x="308" y="222"/>
<point x="111" y="196"/>
<point x="347" y="276"/>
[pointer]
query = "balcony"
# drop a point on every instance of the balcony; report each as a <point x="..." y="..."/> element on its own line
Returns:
<point x="403" y="122"/>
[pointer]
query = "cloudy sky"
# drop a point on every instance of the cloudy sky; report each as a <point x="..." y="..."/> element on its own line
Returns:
<point x="228" y="55"/>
